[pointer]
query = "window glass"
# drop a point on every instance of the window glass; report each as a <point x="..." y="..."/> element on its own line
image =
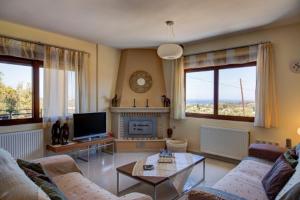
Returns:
<point x="15" y="91"/>
<point x="237" y="91"/>
<point x="200" y="92"/>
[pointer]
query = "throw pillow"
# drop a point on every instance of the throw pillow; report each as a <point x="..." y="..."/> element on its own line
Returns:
<point x="277" y="177"/>
<point x="36" y="173"/>
<point x="49" y="188"/>
<point x="291" y="157"/>
<point x="37" y="167"/>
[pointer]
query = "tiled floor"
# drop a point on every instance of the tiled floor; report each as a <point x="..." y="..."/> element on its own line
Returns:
<point x="101" y="169"/>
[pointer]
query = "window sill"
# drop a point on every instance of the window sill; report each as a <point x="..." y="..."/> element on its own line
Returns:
<point x="19" y="121"/>
<point x="220" y="117"/>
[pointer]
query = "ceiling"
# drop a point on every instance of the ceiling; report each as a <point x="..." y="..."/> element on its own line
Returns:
<point x="140" y="23"/>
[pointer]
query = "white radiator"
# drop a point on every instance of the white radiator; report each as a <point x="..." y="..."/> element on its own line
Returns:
<point x="26" y="144"/>
<point x="230" y="143"/>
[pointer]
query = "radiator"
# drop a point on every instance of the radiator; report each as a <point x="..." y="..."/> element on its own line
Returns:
<point x="230" y="143"/>
<point x="26" y="144"/>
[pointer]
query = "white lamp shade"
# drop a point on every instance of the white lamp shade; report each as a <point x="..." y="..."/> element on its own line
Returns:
<point x="169" y="51"/>
<point x="298" y="131"/>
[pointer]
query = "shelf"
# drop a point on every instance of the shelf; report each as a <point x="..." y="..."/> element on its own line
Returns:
<point x="139" y="140"/>
<point x="140" y="109"/>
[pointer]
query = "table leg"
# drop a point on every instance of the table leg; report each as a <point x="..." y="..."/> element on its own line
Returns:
<point x="154" y="195"/>
<point x="118" y="179"/>
<point x="203" y="169"/>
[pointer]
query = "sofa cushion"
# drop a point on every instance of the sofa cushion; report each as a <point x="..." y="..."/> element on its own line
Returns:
<point x="14" y="183"/>
<point x="245" y="180"/>
<point x="265" y="151"/>
<point x="293" y="193"/>
<point x="277" y="177"/>
<point x="77" y="187"/>
<point x="58" y="165"/>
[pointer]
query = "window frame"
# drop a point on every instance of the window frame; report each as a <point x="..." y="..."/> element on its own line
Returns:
<point x="216" y="70"/>
<point x="35" y="64"/>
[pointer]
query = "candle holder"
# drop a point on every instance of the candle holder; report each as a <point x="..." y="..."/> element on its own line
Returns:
<point x="147" y="103"/>
<point x="134" y="103"/>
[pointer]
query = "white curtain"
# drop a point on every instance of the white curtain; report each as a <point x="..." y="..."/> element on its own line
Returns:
<point x="174" y="81"/>
<point x="65" y="83"/>
<point x="266" y="108"/>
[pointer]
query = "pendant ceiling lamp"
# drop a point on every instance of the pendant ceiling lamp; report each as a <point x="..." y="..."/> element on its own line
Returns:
<point x="170" y="51"/>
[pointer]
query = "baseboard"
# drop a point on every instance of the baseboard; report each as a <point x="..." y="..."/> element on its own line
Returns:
<point x="216" y="157"/>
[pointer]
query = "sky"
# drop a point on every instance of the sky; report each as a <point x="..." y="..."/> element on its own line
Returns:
<point x="199" y="85"/>
<point x="12" y="75"/>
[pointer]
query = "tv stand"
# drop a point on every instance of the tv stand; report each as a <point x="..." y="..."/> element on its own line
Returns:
<point x="77" y="146"/>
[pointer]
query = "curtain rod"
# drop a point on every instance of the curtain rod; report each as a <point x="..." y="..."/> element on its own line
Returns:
<point x="263" y="42"/>
<point x="43" y="44"/>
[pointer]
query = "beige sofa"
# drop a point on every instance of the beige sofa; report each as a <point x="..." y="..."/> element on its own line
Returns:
<point x="244" y="182"/>
<point x="62" y="169"/>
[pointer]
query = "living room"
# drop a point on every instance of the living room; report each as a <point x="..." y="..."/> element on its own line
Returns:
<point x="149" y="99"/>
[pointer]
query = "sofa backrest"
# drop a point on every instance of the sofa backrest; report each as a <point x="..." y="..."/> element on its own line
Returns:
<point x="293" y="181"/>
<point x="14" y="183"/>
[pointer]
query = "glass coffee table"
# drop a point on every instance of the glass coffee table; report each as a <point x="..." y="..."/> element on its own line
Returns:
<point x="177" y="172"/>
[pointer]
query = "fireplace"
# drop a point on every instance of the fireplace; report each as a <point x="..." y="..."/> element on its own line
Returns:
<point x="140" y="126"/>
<point x="140" y="123"/>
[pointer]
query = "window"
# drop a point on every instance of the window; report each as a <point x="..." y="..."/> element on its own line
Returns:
<point x="222" y="92"/>
<point x="19" y="90"/>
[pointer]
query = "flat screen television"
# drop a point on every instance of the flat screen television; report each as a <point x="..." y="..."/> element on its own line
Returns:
<point x="89" y="125"/>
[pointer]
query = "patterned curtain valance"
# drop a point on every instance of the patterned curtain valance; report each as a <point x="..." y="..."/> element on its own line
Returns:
<point x="22" y="49"/>
<point x="64" y="57"/>
<point x="223" y="57"/>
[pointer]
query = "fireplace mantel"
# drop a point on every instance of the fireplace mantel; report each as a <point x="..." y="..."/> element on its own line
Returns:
<point x="139" y="110"/>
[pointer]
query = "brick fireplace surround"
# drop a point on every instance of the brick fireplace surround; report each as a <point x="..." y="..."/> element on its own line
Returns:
<point x="140" y="128"/>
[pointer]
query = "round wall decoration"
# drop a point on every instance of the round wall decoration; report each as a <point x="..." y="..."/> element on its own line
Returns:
<point x="140" y="81"/>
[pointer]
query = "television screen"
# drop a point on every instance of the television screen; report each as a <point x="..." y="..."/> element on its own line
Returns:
<point x="89" y="124"/>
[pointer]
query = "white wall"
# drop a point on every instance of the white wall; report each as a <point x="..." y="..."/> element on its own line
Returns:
<point x="286" y="41"/>
<point x="108" y="66"/>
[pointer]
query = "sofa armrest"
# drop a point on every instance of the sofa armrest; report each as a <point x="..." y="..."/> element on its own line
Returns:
<point x="208" y="193"/>
<point x="265" y="151"/>
<point x="58" y="165"/>
<point x="135" y="196"/>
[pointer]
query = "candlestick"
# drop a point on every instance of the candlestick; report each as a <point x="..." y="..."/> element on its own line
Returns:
<point x="147" y="103"/>
<point x="134" y="102"/>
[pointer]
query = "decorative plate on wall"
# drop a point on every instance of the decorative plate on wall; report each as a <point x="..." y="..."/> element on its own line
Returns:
<point x="140" y="81"/>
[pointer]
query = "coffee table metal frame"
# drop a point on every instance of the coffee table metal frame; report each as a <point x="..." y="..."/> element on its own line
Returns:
<point x="163" y="179"/>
